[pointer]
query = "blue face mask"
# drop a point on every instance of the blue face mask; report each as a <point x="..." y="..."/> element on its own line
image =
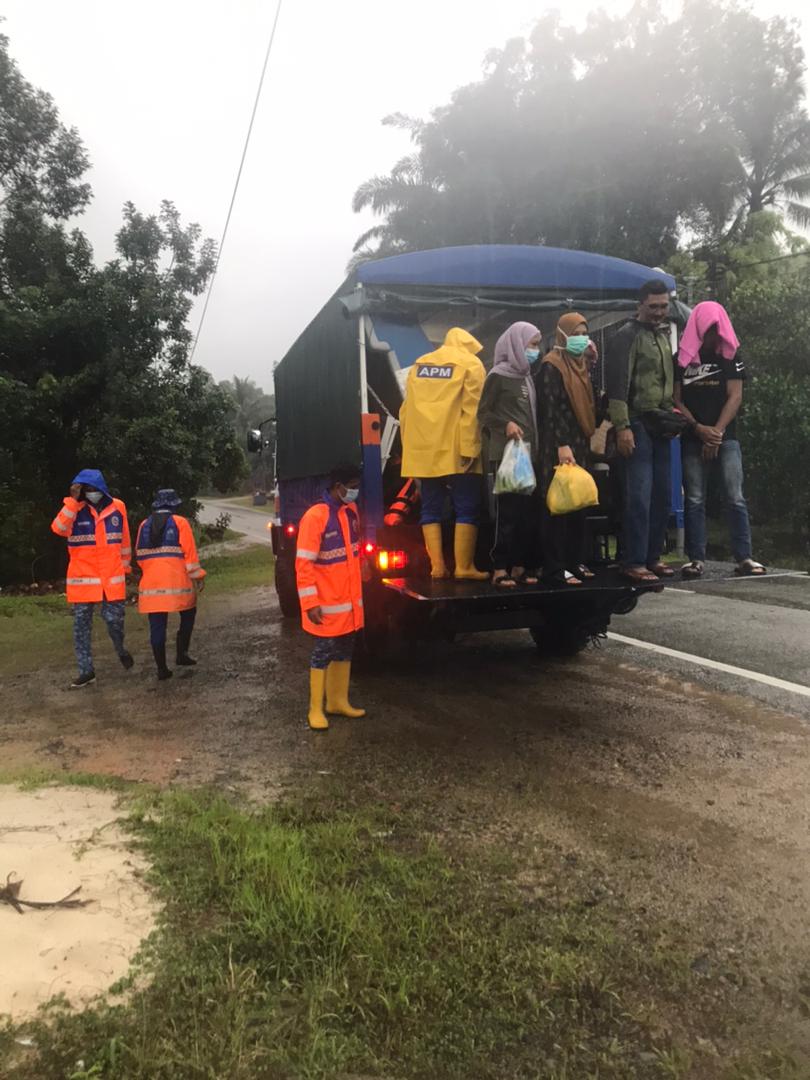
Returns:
<point x="576" y="344"/>
<point x="351" y="495"/>
<point x="532" y="355"/>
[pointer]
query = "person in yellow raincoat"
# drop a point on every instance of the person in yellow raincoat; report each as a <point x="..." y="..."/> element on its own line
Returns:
<point x="441" y="445"/>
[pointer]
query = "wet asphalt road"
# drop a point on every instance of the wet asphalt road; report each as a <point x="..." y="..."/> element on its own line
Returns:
<point x="759" y="625"/>
<point x="251" y="522"/>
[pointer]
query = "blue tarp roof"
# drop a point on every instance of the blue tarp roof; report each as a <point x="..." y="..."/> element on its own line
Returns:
<point x="408" y="340"/>
<point x="511" y="266"/>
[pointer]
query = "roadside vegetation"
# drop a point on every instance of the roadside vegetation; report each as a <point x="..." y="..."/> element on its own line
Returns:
<point x="321" y="941"/>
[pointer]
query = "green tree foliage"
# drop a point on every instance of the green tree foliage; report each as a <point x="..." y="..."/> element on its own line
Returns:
<point x="622" y="137"/>
<point x="252" y="405"/>
<point x="93" y="361"/>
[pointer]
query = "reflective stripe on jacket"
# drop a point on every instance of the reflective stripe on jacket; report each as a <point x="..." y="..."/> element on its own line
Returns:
<point x="99" y="551"/>
<point x="169" y="570"/>
<point x="327" y="568"/>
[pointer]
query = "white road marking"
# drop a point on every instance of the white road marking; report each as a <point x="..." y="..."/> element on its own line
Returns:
<point x="715" y="665"/>
<point x="678" y="589"/>
<point x="765" y="577"/>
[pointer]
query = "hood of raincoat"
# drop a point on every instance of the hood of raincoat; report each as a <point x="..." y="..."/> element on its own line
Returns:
<point x="91" y="478"/>
<point x="456" y="338"/>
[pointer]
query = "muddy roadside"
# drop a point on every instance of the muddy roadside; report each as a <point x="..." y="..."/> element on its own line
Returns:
<point x="665" y="803"/>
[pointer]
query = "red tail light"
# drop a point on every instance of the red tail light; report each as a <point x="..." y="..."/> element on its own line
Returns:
<point x="392" y="560"/>
<point x="289" y="530"/>
<point x="370" y="548"/>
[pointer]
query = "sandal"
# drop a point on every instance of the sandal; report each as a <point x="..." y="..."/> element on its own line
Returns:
<point x="661" y="569"/>
<point x="750" y="568"/>
<point x="638" y="577"/>
<point x="503" y="581"/>
<point x="693" y="569"/>
<point x="526" y="577"/>
<point x="561" y="577"/>
<point x="582" y="571"/>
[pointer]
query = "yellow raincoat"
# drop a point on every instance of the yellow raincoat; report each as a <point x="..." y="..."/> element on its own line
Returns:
<point x="439" y="416"/>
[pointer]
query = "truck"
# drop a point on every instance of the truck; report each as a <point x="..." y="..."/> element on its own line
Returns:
<point x="338" y="392"/>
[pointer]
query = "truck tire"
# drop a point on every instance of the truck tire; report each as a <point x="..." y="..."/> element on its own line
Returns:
<point x="286" y="587"/>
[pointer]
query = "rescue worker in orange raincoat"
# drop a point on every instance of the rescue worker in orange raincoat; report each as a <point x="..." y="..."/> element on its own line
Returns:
<point x="97" y="533"/>
<point x="171" y="577"/>
<point x="329" y="576"/>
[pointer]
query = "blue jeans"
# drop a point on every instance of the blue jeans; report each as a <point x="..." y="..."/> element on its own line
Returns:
<point x="113" y="613"/>
<point x="647" y="486"/>
<point x="465" y="493"/>
<point x="695" y="480"/>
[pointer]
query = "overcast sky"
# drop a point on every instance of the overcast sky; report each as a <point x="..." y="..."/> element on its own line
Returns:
<point x="161" y="92"/>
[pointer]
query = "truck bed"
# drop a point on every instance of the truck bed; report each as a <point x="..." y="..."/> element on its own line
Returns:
<point x="426" y="590"/>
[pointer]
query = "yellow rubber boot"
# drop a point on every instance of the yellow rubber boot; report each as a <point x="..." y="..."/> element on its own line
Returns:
<point x="317" y="683"/>
<point x="337" y="690"/>
<point x="465" y="538"/>
<point x="433" y="543"/>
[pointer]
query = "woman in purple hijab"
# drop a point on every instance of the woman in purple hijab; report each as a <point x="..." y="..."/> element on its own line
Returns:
<point x="508" y="410"/>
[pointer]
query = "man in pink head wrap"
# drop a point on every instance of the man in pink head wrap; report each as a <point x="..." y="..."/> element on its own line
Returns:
<point x="709" y="380"/>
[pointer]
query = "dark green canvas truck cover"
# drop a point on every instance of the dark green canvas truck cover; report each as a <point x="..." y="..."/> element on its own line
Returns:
<point x="317" y="388"/>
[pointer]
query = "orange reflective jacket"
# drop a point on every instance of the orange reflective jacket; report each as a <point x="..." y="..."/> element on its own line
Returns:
<point x="327" y="566"/>
<point x="169" y="570"/>
<point x="98" y="548"/>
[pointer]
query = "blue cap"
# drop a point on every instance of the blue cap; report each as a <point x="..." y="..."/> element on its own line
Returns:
<point x="91" y="478"/>
<point x="166" y="499"/>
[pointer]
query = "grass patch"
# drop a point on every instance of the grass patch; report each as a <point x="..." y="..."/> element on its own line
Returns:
<point x="204" y="540"/>
<point x="253" y="566"/>
<point x="30" y="779"/>
<point x="245" y="502"/>
<point x="301" y="944"/>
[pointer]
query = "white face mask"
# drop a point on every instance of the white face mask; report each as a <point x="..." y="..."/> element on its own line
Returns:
<point x="351" y="495"/>
<point x="94" y="496"/>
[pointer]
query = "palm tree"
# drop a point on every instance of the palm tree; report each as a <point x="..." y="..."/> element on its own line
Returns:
<point x="777" y="174"/>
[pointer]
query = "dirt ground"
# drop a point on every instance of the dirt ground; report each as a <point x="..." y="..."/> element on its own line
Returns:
<point x="678" y="802"/>
<point x="56" y="840"/>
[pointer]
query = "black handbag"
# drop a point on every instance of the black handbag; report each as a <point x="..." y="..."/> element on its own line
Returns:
<point x="663" y="423"/>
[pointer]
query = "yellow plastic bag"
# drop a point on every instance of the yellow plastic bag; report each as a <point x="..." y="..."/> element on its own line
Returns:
<point x="573" y="488"/>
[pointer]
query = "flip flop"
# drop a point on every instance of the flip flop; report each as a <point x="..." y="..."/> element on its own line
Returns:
<point x="526" y="579"/>
<point x="639" y="577"/>
<point x="504" y="581"/>
<point x="661" y="569"/>
<point x="583" y="572"/>
<point x="750" y="568"/>
<point x="692" y="569"/>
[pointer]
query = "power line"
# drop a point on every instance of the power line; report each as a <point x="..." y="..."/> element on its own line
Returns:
<point x="238" y="178"/>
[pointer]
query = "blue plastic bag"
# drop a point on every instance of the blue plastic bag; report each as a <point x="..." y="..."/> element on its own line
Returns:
<point x="515" y="474"/>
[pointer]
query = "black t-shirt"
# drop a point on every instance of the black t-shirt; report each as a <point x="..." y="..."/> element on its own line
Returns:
<point x="703" y="388"/>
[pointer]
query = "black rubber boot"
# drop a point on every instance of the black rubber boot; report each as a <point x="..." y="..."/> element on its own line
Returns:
<point x="126" y="660"/>
<point x="159" y="653"/>
<point x="183" y="642"/>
